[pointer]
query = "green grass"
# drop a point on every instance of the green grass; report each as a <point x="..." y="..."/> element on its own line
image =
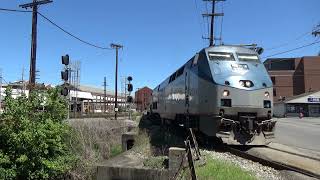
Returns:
<point x="155" y="162"/>
<point x="220" y="170"/>
<point x="115" y="150"/>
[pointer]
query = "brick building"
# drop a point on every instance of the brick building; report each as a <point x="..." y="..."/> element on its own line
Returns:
<point x="143" y="98"/>
<point x="293" y="76"/>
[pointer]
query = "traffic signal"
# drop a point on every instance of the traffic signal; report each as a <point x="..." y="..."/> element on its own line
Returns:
<point x="129" y="78"/>
<point x="65" y="60"/>
<point x="130" y="87"/>
<point x="65" y="75"/>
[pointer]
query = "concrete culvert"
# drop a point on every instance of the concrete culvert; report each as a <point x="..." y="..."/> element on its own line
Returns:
<point x="130" y="144"/>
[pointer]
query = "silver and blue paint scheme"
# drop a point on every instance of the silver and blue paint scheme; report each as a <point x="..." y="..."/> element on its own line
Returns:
<point x="222" y="91"/>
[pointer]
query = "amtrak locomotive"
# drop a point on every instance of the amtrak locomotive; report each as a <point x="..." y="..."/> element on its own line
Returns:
<point x="223" y="91"/>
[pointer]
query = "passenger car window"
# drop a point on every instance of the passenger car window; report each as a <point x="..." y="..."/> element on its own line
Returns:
<point x="248" y="57"/>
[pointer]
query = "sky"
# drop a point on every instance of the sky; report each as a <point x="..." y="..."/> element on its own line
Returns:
<point x="158" y="36"/>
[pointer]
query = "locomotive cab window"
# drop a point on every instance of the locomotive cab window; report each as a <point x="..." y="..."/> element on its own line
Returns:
<point x="180" y="71"/>
<point x="172" y="77"/>
<point x="195" y="60"/>
<point x="221" y="56"/>
<point x="248" y="57"/>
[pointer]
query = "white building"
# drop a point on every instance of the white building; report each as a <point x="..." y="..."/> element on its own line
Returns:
<point x="307" y="103"/>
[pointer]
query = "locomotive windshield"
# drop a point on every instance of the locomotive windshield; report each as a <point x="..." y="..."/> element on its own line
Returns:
<point x="248" y="57"/>
<point x="221" y="56"/>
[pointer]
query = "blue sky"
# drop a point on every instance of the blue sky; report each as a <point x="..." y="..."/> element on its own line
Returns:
<point x="158" y="36"/>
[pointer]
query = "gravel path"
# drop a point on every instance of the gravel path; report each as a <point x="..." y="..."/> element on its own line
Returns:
<point x="261" y="172"/>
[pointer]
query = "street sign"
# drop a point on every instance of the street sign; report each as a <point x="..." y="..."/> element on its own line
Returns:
<point x="312" y="99"/>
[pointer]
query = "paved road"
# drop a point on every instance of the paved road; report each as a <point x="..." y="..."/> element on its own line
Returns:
<point x="302" y="133"/>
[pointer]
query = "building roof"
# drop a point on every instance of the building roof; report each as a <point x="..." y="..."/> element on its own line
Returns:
<point x="80" y="94"/>
<point x="145" y="87"/>
<point x="94" y="89"/>
<point x="284" y="59"/>
<point x="278" y="59"/>
<point x="302" y="98"/>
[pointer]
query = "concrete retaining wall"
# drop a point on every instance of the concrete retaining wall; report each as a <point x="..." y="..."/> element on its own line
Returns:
<point x="127" y="166"/>
<point x="127" y="173"/>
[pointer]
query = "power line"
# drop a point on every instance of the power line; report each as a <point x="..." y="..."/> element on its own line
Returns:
<point x="287" y="43"/>
<point x="59" y="27"/>
<point x="14" y="10"/>
<point x="202" y="25"/>
<point x="208" y="24"/>
<point x="307" y="45"/>
<point x="70" y="34"/>
<point x="221" y="25"/>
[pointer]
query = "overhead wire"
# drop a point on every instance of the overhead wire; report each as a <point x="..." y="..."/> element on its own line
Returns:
<point x="300" y="47"/>
<point x="208" y="24"/>
<point x="221" y="25"/>
<point x="287" y="43"/>
<point x="14" y="10"/>
<point x="70" y="34"/>
<point x="202" y="25"/>
<point x="59" y="27"/>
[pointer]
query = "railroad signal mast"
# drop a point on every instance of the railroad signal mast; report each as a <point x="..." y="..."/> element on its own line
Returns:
<point x="129" y="98"/>
<point x="213" y="14"/>
<point x="34" y="5"/>
<point x="65" y="75"/>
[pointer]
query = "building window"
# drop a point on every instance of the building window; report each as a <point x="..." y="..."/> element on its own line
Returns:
<point x="274" y="92"/>
<point x="273" y="79"/>
<point x="154" y="105"/>
<point x="295" y="108"/>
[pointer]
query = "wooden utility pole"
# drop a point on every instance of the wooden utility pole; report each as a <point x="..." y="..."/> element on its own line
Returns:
<point x="34" y="5"/>
<point x="117" y="47"/>
<point x="212" y="15"/>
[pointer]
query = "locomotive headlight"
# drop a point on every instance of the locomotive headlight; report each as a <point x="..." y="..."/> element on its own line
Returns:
<point x="248" y="84"/>
<point x="267" y="94"/>
<point x="225" y="93"/>
<point x="241" y="83"/>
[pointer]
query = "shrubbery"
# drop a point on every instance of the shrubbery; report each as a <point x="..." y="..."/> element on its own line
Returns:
<point x="33" y="137"/>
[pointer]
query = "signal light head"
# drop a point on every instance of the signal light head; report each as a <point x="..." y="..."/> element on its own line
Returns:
<point x="65" y="75"/>
<point x="130" y="87"/>
<point x="65" y="60"/>
<point x="129" y="99"/>
<point x="64" y="91"/>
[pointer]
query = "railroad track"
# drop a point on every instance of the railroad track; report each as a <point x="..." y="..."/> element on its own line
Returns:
<point x="276" y="165"/>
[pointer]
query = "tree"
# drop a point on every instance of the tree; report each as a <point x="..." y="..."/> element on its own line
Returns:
<point x="33" y="134"/>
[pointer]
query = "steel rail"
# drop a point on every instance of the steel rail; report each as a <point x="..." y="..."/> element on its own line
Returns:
<point x="265" y="162"/>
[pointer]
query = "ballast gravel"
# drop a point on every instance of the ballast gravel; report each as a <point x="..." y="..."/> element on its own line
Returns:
<point x="259" y="171"/>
